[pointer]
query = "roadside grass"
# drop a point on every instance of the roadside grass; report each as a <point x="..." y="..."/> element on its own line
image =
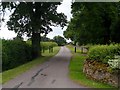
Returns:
<point x="76" y="71"/>
<point x="12" y="73"/>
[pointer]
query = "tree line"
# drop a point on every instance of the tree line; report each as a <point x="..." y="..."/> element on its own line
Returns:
<point x="58" y="39"/>
<point x="94" y="22"/>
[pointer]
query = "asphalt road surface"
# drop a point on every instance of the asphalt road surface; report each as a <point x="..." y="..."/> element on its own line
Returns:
<point x="51" y="74"/>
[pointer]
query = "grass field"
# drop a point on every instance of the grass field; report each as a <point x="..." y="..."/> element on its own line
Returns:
<point x="76" y="71"/>
<point x="12" y="73"/>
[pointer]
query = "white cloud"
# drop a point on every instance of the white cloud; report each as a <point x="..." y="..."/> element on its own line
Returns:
<point x="56" y="31"/>
<point x="4" y="32"/>
<point x="65" y="8"/>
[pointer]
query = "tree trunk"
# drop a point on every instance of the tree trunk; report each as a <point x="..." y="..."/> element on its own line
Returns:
<point x="36" y="48"/>
<point x="107" y="37"/>
<point x="107" y="24"/>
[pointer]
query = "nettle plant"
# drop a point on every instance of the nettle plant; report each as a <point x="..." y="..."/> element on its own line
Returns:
<point x="114" y="63"/>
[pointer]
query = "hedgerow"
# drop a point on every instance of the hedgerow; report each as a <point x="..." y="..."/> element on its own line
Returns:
<point x="104" y="53"/>
<point x="47" y="45"/>
<point x="15" y="53"/>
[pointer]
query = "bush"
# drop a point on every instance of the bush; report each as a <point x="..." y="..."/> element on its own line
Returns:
<point x="47" y="45"/>
<point x="15" y="53"/>
<point x="103" y="52"/>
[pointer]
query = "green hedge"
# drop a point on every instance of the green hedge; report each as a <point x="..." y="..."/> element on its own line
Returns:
<point x="103" y="52"/>
<point x="47" y="45"/>
<point x="15" y="53"/>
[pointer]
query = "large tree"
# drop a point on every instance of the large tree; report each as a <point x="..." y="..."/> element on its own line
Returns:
<point x="93" y="22"/>
<point x="59" y="40"/>
<point x="34" y="18"/>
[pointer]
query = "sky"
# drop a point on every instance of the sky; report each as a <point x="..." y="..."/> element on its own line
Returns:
<point x="65" y="8"/>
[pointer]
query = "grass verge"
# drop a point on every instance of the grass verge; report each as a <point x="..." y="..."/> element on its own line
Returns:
<point x="76" y="71"/>
<point x="12" y="73"/>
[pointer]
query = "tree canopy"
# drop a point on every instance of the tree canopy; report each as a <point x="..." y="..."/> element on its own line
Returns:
<point x="94" y="22"/>
<point x="59" y="40"/>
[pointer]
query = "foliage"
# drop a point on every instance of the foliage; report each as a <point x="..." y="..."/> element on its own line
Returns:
<point x="47" y="45"/>
<point x="44" y="45"/>
<point x="59" y="40"/>
<point x="94" y="22"/>
<point x="115" y="31"/>
<point x="76" y="71"/>
<point x="45" y="39"/>
<point x="103" y="52"/>
<point x="18" y="38"/>
<point x="114" y="63"/>
<point x="15" y="53"/>
<point x="12" y="73"/>
<point x="0" y="47"/>
<point x="34" y="18"/>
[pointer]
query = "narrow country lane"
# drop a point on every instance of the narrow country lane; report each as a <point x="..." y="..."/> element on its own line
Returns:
<point x="51" y="74"/>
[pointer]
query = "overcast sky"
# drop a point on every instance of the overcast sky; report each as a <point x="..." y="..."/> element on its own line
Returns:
<point x="65" y="7"/>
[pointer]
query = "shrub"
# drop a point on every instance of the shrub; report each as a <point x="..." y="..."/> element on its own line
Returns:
<point x="15" y="53"/>
<point x="47" y="45"/>
<point x="103" y="52"/>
